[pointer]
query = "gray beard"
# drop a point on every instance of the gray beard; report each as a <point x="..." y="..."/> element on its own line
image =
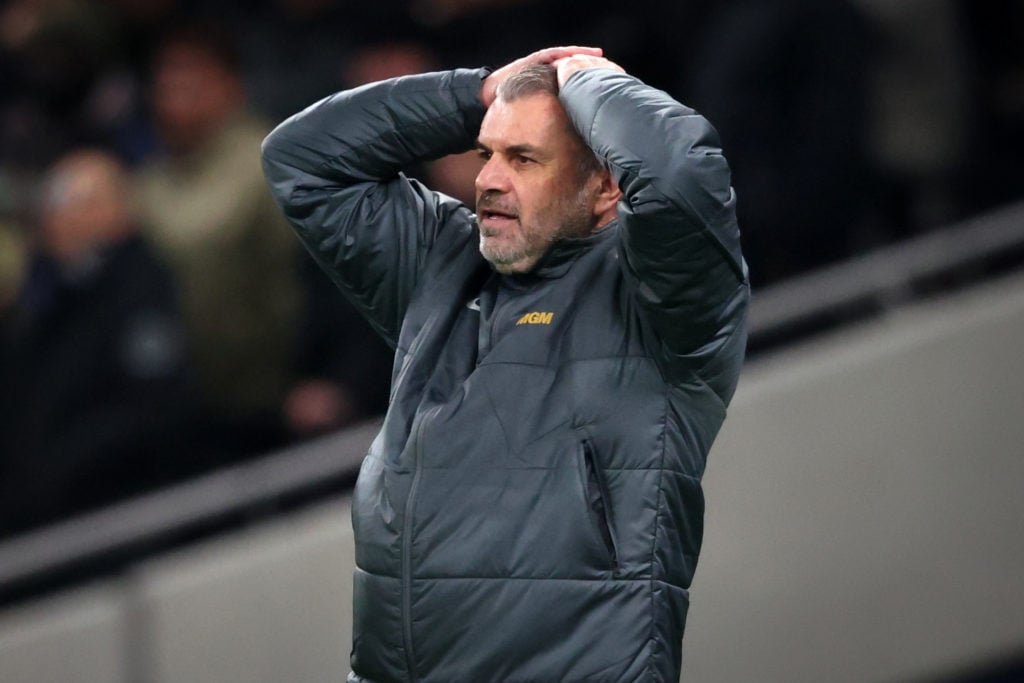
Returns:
<point x="574" y="220"/>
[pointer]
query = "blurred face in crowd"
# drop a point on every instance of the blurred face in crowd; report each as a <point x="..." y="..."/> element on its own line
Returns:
<point x="84" y="205"/>
<point x="455" y="175"/>
<point x="194" y="93"/>
<point x="387" y="60"/>
<point x="536" y="185"/>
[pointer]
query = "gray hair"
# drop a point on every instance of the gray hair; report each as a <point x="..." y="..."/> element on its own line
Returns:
<point x="542" y="79"/>
<point x="530" y="80"/>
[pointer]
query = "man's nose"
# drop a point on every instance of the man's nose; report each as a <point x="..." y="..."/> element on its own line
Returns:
<point x="493" y="177"/>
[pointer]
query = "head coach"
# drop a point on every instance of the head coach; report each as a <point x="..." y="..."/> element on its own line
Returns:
<point x="531" y="510"/>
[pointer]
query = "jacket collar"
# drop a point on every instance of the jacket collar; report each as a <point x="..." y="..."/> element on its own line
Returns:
<point x="557" y="260"/>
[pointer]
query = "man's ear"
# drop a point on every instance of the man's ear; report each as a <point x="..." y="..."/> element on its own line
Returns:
<point x="607" y="198"/>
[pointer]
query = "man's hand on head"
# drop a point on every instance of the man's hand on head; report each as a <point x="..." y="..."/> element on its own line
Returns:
<point x="550" y="55"/>
<point x="567" y="66"/>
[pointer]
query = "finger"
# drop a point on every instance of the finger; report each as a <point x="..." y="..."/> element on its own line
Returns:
<point x="579" y="50"/>
<point x="551" y="54"/>
<point x="567" y="66"/>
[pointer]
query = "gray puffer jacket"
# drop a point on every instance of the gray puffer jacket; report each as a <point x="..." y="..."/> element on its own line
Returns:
<point x="531" y="510"/>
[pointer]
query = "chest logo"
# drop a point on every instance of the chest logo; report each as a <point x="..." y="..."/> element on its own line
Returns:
<point x="536" y="318"/>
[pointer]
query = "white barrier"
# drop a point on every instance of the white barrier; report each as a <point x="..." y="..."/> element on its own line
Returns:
<point x="865" y="504"/>
<point x="78" y="636"/>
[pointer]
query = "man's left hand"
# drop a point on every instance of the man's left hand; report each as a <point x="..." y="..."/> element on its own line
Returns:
<point x="567" y="66"/>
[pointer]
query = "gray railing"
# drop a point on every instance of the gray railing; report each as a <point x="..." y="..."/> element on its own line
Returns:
<point x="888" y="277"/>
<point x="869" y="284"/>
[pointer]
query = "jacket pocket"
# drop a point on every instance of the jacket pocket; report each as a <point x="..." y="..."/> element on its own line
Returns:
<point x="595" y="492"/>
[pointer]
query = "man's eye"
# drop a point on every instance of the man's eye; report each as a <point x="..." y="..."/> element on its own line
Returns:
<point x="520" y="159"/>
<point x="483" y="154"/>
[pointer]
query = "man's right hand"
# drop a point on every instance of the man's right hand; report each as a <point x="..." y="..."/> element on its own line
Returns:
<point x="545" y="56"/>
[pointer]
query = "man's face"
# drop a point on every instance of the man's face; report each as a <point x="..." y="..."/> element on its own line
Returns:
<point x="530" y="191"/>
<point x="83" y="205"/>
<point x="193" y="94"/>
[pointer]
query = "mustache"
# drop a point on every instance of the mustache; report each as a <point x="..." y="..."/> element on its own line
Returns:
<point x="492" y="201"/>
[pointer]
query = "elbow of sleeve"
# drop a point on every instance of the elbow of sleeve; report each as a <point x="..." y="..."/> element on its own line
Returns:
<point x="268" y="157"/>
<point x="281" y="178"/>
<point x="268" y="148"/>
<point x="272" y="153"/>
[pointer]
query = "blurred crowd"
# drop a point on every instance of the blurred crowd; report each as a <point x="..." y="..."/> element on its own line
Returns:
<point x="157" y="317"/>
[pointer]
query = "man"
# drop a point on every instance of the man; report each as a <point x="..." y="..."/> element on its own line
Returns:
<point x="265" y="374"/>
<point x="531" y="510"/>
<point x="206" y="210"/>
<point x="96" y="394"/>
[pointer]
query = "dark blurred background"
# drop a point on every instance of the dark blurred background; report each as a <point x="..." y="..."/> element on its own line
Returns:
<point x="159" y="320"/>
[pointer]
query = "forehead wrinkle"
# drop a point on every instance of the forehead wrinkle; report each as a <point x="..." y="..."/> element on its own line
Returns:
<point x="534" y="123"/>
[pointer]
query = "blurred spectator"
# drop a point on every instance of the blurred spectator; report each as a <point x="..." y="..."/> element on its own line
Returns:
<point x="253" y="301"/>
<point x="293" y="53"/>
<point x="121" y="93"/>
<point x="917" y="112"/>
<point x="347" y="365"/>
<point x="344" y="367"/>
<point x="848" y="123"/>
<point x="785" y="83"/>
<point x="455" y="175"/>
<point x="378" y="60"/>
<point x="94" y="387"/>
<point x="206" y="207"/>
<point x="54" y="56"/>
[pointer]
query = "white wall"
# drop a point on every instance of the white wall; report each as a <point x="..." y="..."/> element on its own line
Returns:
<point x="272" y="604"/>
<point x="79" y="636"/>
<point x="865" y="504"/>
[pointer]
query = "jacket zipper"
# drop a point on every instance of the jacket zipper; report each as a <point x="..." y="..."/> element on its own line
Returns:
<point x="410" y="659"/>
<point x="597" y="498"/>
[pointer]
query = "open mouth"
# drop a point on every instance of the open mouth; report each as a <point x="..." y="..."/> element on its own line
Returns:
<point x="492" y="215"/>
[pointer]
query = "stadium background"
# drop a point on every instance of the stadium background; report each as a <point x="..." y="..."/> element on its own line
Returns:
<point x="863" y="502"/>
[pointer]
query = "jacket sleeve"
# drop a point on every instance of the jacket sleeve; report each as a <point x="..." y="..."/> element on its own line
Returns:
<point x="679" y="239"/>
<point x="334" y="169"/>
